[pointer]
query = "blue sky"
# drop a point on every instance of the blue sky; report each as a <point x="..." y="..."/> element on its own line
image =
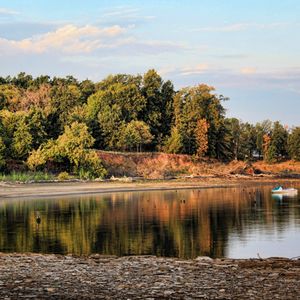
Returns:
<point x="248" y="50"/>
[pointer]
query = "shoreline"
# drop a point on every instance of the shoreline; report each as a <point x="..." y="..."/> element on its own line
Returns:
<point x="56" y="189"/>
<point x="44" y="276"/>
<point x="55" y="276"/>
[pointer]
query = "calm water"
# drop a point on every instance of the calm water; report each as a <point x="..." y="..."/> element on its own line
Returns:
<point x="229" y="222"/>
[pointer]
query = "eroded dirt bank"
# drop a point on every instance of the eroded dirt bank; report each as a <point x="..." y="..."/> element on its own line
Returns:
<point x="146" y="277"/>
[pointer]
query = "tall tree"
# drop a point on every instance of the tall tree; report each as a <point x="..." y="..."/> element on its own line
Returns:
<point x="114" y="105"/>
<point x="262" y="129"/>
<point x="199" y="102"/>
<point x="155" y="104"/>
<point x="202" y="137"/>
<point x="279" y="138"/>
<point x="22" y="140"/>
<point x="294" y="144"/>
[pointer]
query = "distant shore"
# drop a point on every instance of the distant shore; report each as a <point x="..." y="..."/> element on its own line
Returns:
<point x="56" y="189"/>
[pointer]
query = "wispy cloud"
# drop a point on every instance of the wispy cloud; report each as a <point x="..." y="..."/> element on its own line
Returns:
<point x="121" y="11"/>
<point x="241" y="26"/>
<point x="7" y="11"/>
<point x="126" y="13"/>
<point x="185" y="70"/>
<point x="152" y="46"/>
<point x="198" y="69"/>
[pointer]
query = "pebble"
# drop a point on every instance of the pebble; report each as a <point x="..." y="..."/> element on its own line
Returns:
<point x="146" y="277"/>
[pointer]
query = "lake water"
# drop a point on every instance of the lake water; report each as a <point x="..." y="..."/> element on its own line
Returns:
<point x="219" y="222"/>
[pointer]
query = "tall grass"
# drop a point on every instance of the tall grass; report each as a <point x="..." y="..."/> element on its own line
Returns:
<point x="26" y="176"/>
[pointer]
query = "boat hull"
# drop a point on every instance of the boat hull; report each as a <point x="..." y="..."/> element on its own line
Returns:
<point x="285" y="191"/>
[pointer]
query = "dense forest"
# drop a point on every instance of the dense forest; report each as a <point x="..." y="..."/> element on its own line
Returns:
<point x="57" y="124"/>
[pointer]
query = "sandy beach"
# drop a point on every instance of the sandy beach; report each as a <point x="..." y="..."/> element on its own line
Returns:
<point x="56" y="189"/>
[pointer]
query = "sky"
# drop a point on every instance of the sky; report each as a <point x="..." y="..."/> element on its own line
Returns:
<point x="248" y="50"/>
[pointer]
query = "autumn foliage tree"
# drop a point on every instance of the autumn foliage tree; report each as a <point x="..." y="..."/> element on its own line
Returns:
<point x="46" y="119"/>
<point x="202" y="137"/>
<point x="266" y="147"/>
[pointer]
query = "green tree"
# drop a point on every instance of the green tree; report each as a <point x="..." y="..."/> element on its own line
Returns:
<point x="158" y="103"/>
<point x="135" y="135"/>
<point x="110" y="109"/>
<point x="247" y="141"/>
<point x="37" y="124"/>
<point x="74" y="146"/>
<point x="22" y="80"/>
<point x="2" y="153"/>
<point x="294" y="144"/>
<point x="9" y="97"/>
<point x="262" y="129"/>
<point x="87" y="88"/>
<point x="199" y="102"/>
<point x="173" y="144"/>
<point x="64" y="96"/>
<point x="275" y="144"/>
<point x="234" y="129"/>
<point x="22" y="140"/>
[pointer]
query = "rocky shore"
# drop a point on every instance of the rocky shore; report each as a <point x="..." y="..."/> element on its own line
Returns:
<point x="35" y="276"/>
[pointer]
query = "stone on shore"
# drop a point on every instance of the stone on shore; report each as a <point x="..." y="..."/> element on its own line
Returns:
<point x="146" y="277"/>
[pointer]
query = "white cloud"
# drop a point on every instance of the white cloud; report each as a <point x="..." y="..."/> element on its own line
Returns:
<point x="7" y="11"/>
<point x="74" y="40"/>
<point x="69" y="39"/>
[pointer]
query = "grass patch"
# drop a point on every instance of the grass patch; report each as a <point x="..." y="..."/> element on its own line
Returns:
<point x="26" y="176"/>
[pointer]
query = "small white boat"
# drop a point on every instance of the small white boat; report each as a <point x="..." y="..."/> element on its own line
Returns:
<point x="280" y="190"/>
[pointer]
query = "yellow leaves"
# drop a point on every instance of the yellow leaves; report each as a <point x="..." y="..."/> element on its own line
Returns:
<point x="266" y="143"/>
<point x="74" y="145"/>
<point x="36" y="158"/>
<point x="202" y="137"/>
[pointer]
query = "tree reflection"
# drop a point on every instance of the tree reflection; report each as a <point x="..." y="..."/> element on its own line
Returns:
<point x="184" y="223"/>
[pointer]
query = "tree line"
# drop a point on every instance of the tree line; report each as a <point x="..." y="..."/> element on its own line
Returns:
<point x="59" y="122"/>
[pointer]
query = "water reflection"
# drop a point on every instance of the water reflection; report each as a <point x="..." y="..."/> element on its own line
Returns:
<point x="184" y="223"/>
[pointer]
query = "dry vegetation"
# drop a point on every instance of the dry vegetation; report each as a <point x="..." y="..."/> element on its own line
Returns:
<point x="162" y="166"/>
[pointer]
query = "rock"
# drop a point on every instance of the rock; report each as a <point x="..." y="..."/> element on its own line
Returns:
<point x="168" y="293"/>
<point x="204" y="258"/>
<point x="146" y="277"/>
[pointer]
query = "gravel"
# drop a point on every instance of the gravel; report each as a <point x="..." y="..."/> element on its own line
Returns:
<point x="38" y="276"/>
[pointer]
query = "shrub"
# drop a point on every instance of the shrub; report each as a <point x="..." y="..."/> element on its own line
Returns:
<point x="63" y="176"/>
